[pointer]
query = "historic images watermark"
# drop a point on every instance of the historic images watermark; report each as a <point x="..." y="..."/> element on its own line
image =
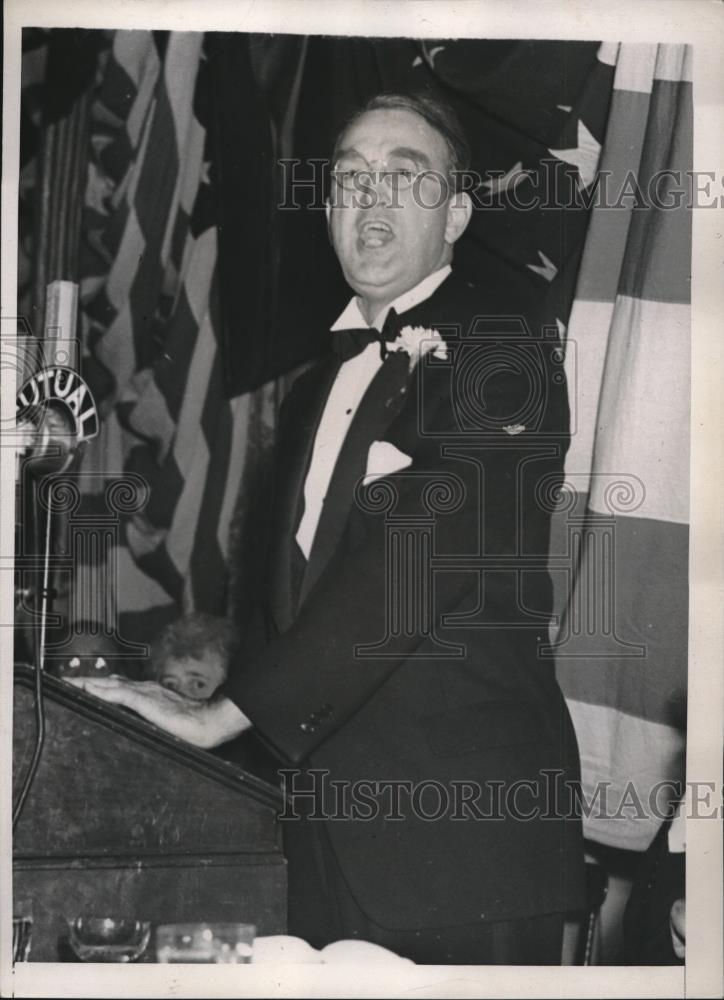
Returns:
<point x="552" y="184"/>
<point x="315" y="795"/>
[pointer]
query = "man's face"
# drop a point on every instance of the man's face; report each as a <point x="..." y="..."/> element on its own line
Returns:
<point x="196" y="679"/>
<point x="387" y="241"/>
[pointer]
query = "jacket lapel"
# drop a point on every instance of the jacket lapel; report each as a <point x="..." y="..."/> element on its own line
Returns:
<point x="296" y="443"/>
<point x="380" y="405"/>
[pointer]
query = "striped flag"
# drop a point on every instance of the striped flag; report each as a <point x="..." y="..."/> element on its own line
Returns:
<point x="622" y="647"/>
<point x="151" y="323"/>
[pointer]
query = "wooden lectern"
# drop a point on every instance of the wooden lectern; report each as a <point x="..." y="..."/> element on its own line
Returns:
<point x="124" y="820"/>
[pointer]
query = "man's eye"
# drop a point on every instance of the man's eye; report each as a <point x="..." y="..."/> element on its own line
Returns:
<point x="360" y="179"/>
<point x="198" y="685"/>
<point x="346" y="176"/>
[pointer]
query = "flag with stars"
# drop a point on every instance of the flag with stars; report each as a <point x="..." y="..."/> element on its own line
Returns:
<point x="535" y="115"/>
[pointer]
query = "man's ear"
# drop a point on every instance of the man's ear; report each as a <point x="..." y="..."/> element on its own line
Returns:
<point x="459" y="211"/>
<point x="328" y="213"/>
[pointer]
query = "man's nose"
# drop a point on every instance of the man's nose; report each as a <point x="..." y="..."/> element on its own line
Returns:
<point x="376" y="191"/>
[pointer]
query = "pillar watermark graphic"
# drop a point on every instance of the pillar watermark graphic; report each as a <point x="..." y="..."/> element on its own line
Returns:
<point x="501" y="448"/>
<point x="591" y="613"/>
<point x="501" y="382"/>
<point x="84" y="563"/>
<point x="409" y="564"/>
<point x="77" y="515"/>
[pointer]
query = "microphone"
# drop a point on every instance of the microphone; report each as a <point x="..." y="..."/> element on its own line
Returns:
<point x="55" y="410"/>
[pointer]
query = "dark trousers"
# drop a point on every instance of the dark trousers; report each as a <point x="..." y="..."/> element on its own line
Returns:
<point x="322" y="910"/>
<point x="660" y="880"/>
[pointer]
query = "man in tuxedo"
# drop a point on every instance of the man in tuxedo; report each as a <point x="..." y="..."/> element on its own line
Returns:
<point x="426" y="750"/>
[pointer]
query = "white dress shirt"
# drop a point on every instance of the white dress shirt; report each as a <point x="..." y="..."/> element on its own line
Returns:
<point x="350" y="385"/>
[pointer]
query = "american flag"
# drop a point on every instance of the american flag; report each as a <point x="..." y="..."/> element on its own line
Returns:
<point x="151" y="323"/>
<point x="622" y="651"/>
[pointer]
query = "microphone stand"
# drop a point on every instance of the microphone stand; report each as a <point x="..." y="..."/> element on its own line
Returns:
<point x="60" y="412"/>
<point x="54" y="453"/>
<point x="38" y="654"/>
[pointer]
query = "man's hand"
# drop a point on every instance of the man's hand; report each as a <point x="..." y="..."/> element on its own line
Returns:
<point x="677" y="925"/>
<point x="204" y="723"/>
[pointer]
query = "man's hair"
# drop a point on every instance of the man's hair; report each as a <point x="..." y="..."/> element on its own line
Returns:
<point x="192" y="636"/>
<point x="438" y="115"/>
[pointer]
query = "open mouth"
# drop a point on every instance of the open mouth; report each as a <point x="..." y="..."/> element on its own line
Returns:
<point x="375" y="233"/>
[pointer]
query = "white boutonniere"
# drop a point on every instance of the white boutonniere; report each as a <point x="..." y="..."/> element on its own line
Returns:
<point x="418" y="340"/>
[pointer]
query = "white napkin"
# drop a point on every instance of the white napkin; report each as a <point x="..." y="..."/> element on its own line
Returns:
<point x="360" y="952"/>
<point x="283" y="949"/>
<point x="280" y="949"/>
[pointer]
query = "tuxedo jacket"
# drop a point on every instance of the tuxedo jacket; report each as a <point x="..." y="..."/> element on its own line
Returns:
<point x="403" y="664"/>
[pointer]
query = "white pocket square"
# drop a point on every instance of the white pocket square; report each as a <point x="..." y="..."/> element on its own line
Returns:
<point x="383" y="459"/>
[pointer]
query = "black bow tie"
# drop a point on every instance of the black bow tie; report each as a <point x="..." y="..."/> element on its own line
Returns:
<point x="349" y="343"/>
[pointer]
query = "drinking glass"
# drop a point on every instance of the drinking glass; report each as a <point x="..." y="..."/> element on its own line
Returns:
<point x="205" y="943"/>
<point x="22" y="928"/>
<point x="105" y="939"/>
